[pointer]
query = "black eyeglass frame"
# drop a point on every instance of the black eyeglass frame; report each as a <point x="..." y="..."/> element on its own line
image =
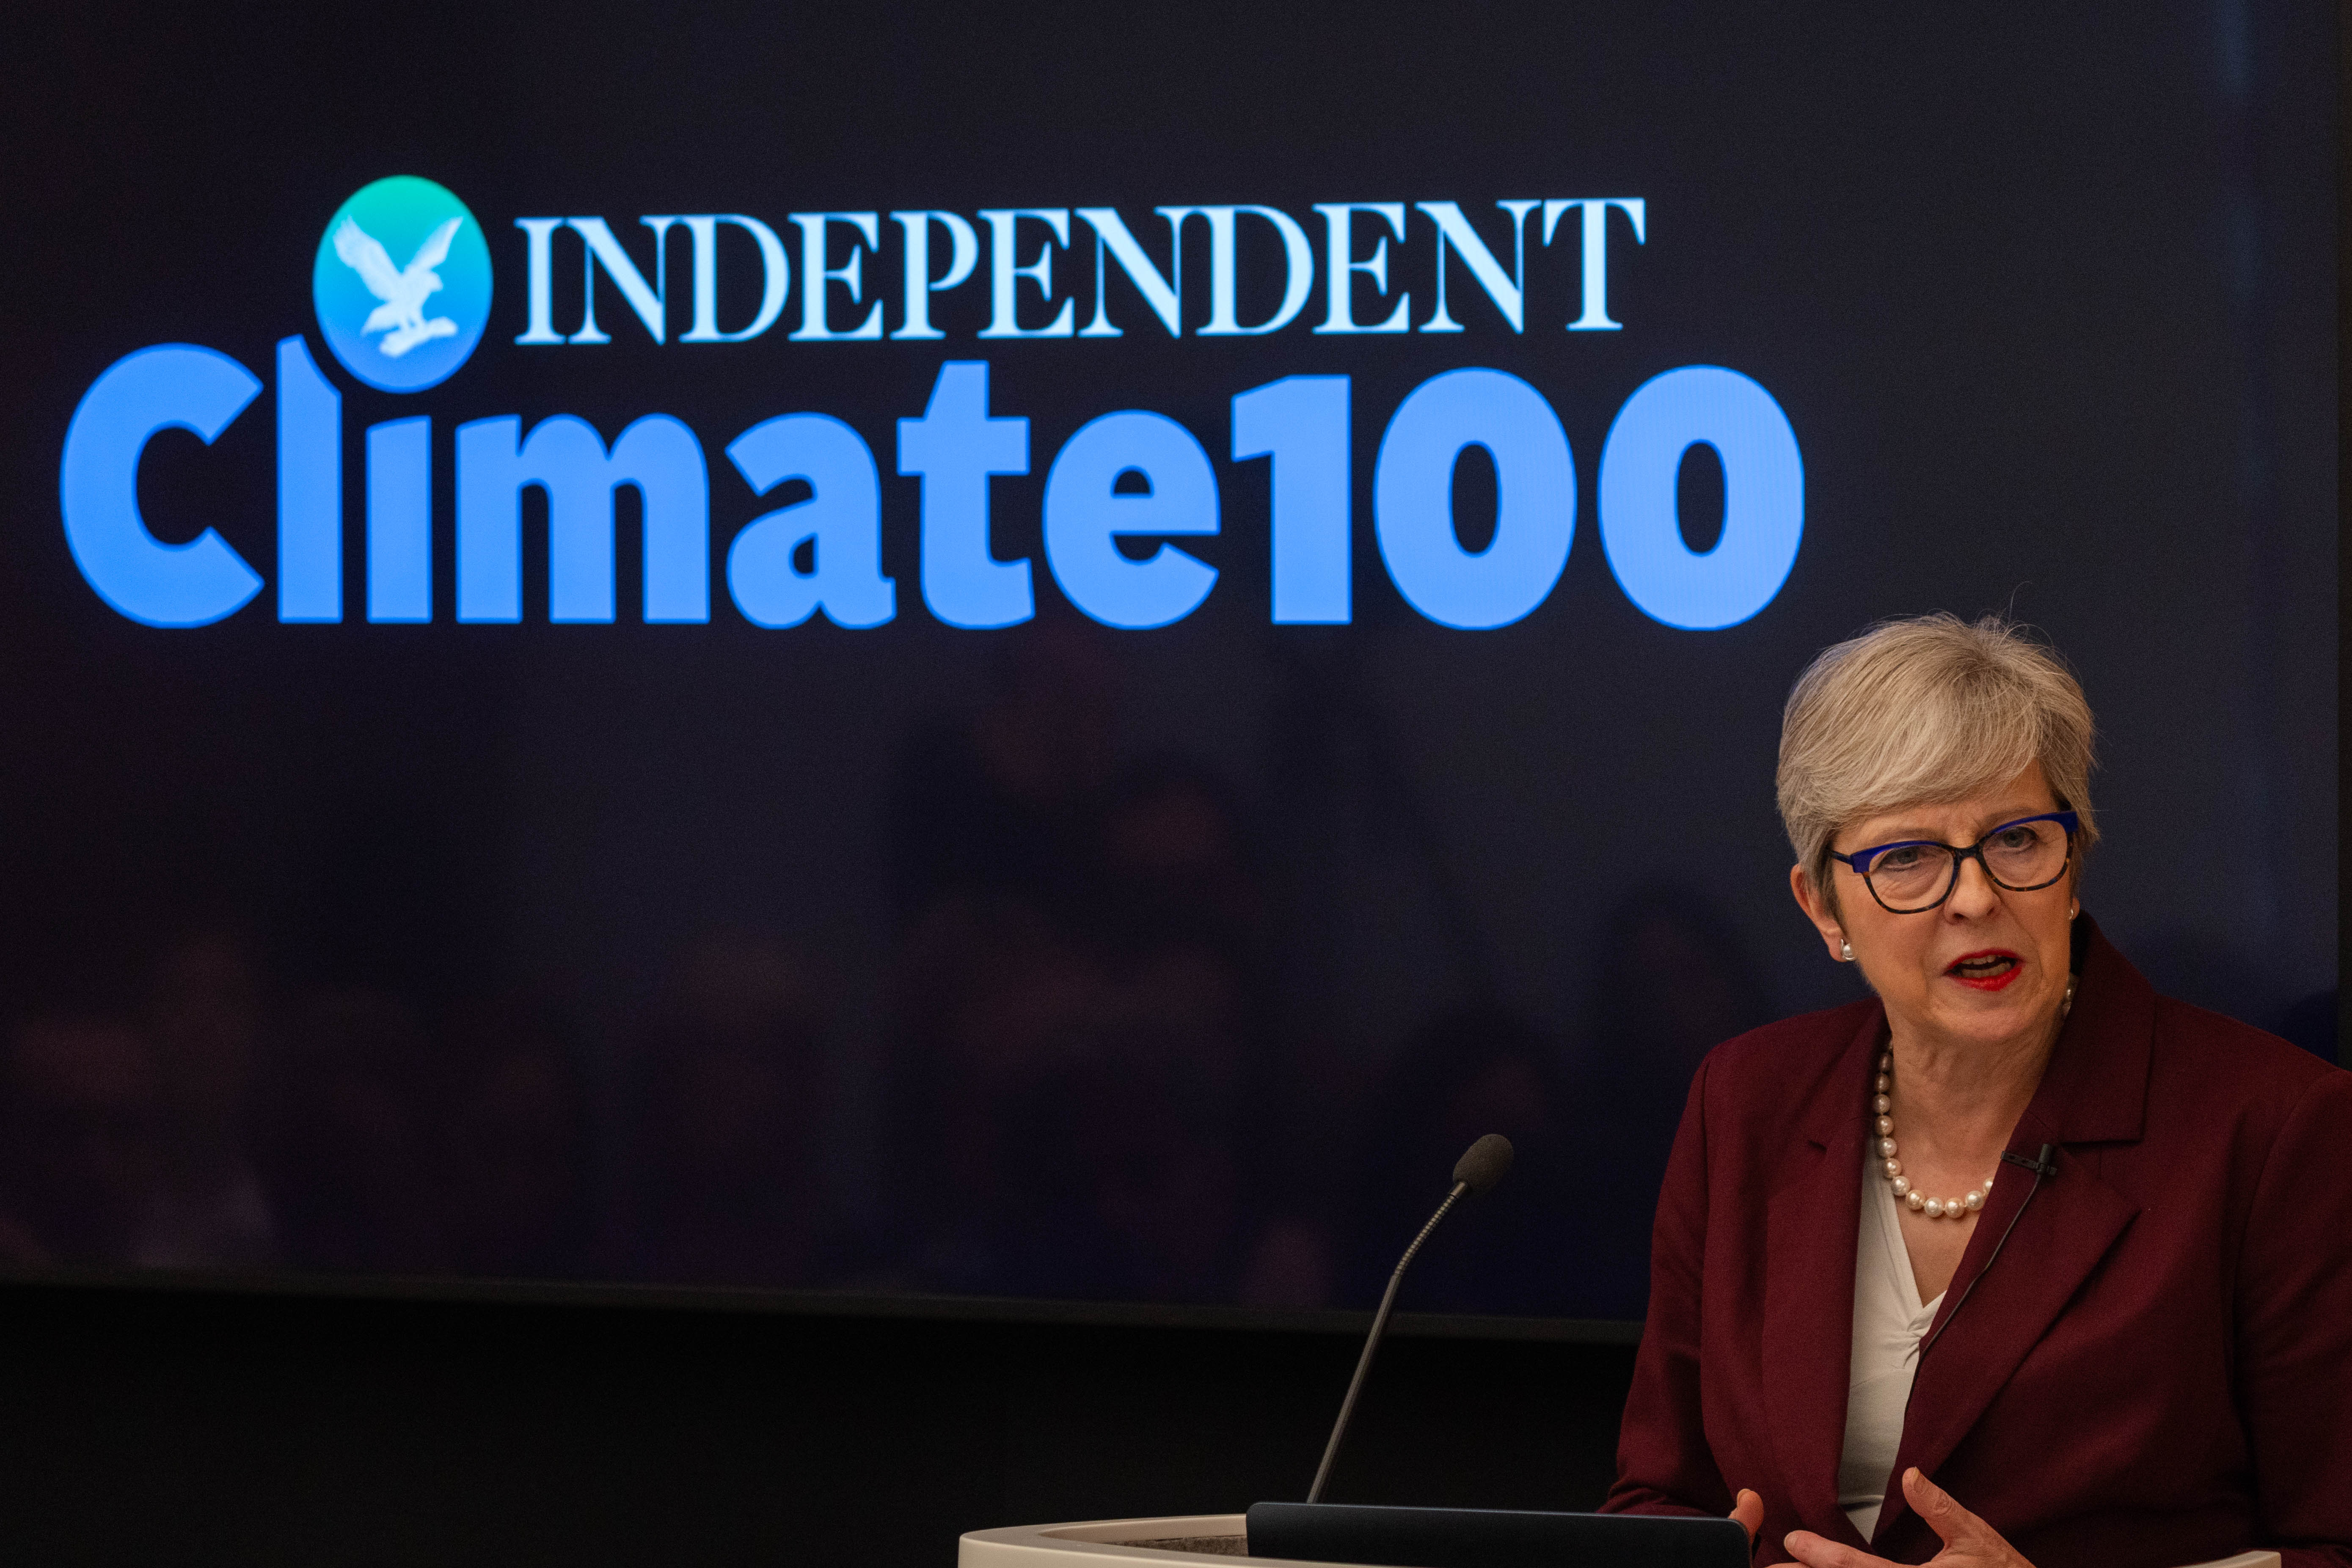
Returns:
<point x="1859" y="862"/>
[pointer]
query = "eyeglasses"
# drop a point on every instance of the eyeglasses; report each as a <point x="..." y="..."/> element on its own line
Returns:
<point x="1917" y="874"/>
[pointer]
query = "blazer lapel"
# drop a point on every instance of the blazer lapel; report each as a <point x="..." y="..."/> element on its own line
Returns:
<point x="2034" y="1247"/>
<point x="1812" y="1226"/>
<point x="2069" y="1224"/>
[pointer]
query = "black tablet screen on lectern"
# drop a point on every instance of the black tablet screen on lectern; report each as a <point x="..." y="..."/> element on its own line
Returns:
<point x="1490" y="1538"/>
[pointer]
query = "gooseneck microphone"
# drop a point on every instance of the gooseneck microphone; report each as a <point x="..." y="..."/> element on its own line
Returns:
<point x="1480" y="1168"/>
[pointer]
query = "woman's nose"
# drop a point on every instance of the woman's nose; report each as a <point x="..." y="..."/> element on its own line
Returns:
<point x="1975" y="893"/>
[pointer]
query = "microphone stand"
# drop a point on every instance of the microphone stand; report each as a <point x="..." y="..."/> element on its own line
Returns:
<point x="1372" y="1342"/>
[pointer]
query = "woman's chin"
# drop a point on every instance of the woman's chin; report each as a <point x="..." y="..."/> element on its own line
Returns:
<point x="1976" y="1012"/>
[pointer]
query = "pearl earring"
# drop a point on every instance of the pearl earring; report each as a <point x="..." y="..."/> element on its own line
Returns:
<point x="1845" y="951"/>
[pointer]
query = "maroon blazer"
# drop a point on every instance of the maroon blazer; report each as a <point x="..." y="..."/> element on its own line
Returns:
<point x="2154" y="1369"/>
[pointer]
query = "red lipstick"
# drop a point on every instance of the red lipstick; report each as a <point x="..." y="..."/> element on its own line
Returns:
<point x="1990" y="969"/>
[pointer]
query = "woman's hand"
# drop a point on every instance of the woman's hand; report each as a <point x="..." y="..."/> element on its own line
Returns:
<point x="1969" y="1541"/>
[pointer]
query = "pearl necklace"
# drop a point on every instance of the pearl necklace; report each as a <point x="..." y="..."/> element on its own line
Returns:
<point x="1913" y="1199"/>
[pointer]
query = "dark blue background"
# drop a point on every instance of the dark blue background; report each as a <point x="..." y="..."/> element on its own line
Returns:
<point x="1167" y="966"/>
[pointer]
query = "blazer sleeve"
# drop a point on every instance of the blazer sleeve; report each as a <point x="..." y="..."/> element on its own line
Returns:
<point x="1663" y="1463"/>
<point x="2294" y="1331"/>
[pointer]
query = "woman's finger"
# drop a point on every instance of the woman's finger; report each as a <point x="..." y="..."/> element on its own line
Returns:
<point x="1748" y="1511"/>
<point x="1947" y="1519"/>
<point x="1821" y="1552"/>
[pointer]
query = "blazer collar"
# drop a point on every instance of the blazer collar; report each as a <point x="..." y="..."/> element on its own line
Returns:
<point x="2094" y="1090"/>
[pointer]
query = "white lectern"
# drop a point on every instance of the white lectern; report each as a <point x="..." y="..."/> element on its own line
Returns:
<point x="1183" y="1538"/>
<point x="1187" y="1538"/>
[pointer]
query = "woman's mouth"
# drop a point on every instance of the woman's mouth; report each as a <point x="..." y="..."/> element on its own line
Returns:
<point x="1990" y="970"/>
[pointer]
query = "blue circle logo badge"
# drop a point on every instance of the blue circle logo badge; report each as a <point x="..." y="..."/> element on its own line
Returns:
<point x="402" y="284"/>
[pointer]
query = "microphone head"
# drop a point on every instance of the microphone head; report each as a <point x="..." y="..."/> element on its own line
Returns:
<point x="1485" y="1163"/>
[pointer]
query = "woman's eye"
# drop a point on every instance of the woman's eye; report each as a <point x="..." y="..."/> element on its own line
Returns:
<point x="1907" y="858"/>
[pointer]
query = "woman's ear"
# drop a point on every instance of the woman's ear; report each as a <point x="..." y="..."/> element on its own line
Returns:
<point x="1815" y="901"/>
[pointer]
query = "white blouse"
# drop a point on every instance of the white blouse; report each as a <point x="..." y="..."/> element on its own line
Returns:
<point x="1889" y="1321"/>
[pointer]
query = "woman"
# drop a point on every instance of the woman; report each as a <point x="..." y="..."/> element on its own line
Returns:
<point x="2079" y="1253"/>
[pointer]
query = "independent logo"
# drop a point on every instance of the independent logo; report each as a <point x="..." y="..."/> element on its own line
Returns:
<point x="402" y="284"/>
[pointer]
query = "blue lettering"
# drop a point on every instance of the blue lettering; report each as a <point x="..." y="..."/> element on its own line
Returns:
<point x="1534" y="501"/>
<point x="919" y="283"/>
<point x="841" y="522"/>
<point x="542" y="273"/>
<point x="1224" y="292"/>
<point x="400" y="521"/>
<point x="565" y="458"/>
<point x="1164" y="295"/>
<point x="775" y="278"/>
<point x="173" y="386"/>
<point x="1086" y="514"/>
<point x="1763" y="498"/>
<point x="1003" y="276"/>
<point x="1301" y="422"/>
<point x="1454" y="234"/>
<point x="650" y="302"/>
<point x="1340" y="265"/>
<point x="310" y="489"/>
<point x="955" y="447"/>
<point x="1595" y="318"/>
<point x="816" y="278"/>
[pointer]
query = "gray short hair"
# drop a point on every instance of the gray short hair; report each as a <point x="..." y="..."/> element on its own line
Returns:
<point x="1926" y="710"/>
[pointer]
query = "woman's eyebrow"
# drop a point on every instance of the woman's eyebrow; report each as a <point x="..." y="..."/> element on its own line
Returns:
<point x="1901" y="836"/>
<point x="1915" y="833"/>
